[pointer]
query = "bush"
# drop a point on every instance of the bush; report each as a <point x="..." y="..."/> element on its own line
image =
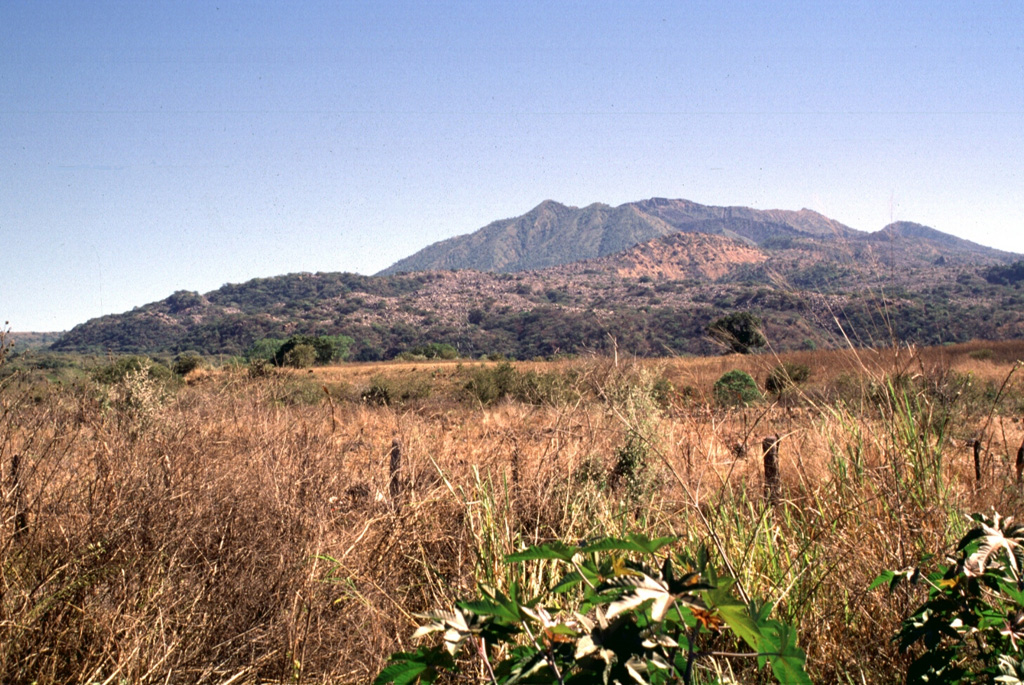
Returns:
<point x="115" y="371"/>
<point x="301" y="356"/>
<point x="187" y="361"/>
<point x="737" y="387"/>
<point x="433" y="351"/>
<point x="740" y="331"/>
<point x="260" y="368"/>
<point x="384" y="391"/>
<point x="378" y="393"/>
<point x="785" y="376"/>
<point x="492" y="384"/>
<point x="495" y="383"/>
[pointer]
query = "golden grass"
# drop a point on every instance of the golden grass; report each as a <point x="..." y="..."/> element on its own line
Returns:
<point x="244" y="530"/>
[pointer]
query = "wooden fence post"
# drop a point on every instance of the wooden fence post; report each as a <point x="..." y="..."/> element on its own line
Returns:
<point x="1020" y="463"/>
<point x="770" y="447"/>
<point x="977" y="460"/>
<point x="395" y="485"/>
<point x="18" y="497"/>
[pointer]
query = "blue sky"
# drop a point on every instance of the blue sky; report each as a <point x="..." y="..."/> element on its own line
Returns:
<point x="147" y="147"/>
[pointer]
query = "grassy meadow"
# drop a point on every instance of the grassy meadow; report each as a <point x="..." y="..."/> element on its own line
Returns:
<point x="250" y="525"/>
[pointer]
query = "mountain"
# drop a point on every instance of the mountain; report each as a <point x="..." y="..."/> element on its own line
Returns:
<point x="648" y="275"/>
<point x="926" y="239"/>
<point x="553" y="234"/>
<point x="549" y="234"/>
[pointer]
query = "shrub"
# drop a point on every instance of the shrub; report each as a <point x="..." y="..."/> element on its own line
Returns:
<point x="662" y="391"/>
<point x="492" y="384"/>
<point x="631" y="462"/>
<point x="301" y="356"/>
<point x="737" y="387"/>
<point x="260" y="368"/>
<point x="433" y="351"/>
<point x="785" y="376"/>
<point x="378" y="392"/>
<point x="187" y="361"/>
<point x="115" y="371"/>
<point x="740" y="331"/>
<point x="384" y="391"/>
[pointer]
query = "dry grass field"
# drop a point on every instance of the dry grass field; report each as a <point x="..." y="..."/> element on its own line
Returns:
<point x="250" y="528"/>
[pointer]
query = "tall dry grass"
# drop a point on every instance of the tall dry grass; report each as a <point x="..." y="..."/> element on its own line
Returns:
<point x="251" y="529"/>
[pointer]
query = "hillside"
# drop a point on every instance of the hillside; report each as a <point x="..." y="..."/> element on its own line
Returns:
<point x="654" y="298"/>
<point x="552" y="234"/>
<point x="674" y="257"/>
<point x="548" y="235"/>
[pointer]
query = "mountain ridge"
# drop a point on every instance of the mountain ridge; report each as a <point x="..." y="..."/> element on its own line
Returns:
<point x="552" y="234"/>
<point x="671" y="267"/>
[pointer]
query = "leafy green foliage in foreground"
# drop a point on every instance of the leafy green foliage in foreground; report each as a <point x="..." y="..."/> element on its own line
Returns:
<point x="970" y="628"/>
<point x="638" y="614"/>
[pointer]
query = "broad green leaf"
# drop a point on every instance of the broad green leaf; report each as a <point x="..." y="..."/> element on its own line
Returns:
<point x="401" y="673"/>
<point x="487" y="607"/>
<point x="568" y="582"/>
<point x="634" y="542"/>
<point x="734" y="612"/>
<point x="787" y="660"/>
<point x="408" y="667"/>
<point x="885" y="577"/>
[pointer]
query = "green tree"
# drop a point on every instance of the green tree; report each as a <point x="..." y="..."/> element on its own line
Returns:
<point x="325" y="348"/>
<point x="264" y="349"/>
<point x="741" y="331"/>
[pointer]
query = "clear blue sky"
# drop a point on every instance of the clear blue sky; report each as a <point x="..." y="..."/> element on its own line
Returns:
<point x="147" y="147"/>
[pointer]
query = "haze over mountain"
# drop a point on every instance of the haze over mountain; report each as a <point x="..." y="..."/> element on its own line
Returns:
<point x="553" y="234"/>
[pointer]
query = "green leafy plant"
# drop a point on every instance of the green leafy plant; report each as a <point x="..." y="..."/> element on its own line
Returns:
<point x="971" y="627"/>
<point x="737" y="387"/>
<point x="626" y="610"/>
